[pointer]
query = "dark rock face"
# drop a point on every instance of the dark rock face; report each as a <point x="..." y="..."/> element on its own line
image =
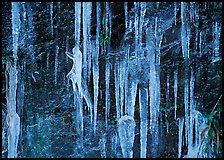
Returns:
<point x="45" y="133"/>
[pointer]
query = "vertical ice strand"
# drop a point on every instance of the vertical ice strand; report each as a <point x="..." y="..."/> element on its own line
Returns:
<point x="191" y="111"/>
<point x="217" y="39"/>
<point x="86" y="21"/>
<point x="12" y="118"/>
<point x="180" y="135"/>
<point x="56" y="65"/>
<point x="107" y="72"/>
<point x="51" y="15"/>
<point x="153" y="114"/>
<point x="185" y="49"/>
<point x="117" y="89"/>
<point x="126" y="130"/>
<point x="95" y="62"/>
<point x="175" y="91"/>
<point x="143" y="105"/>
<point x="136" y="5"/>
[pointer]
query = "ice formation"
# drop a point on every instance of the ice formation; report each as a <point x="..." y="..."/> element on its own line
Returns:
<point x="126" y="130"/>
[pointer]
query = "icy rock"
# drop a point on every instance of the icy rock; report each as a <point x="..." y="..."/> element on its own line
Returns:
<point x="126" y="130"/>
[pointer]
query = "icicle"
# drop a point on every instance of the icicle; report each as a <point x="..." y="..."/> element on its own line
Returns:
<point x="51" y="14"/>
<point x="175" y="91"/>
<point x="15" y="29"/>
<point x="48" y="55"/>
<point x="186" y="94"/>
<point x="85" y="19"/>
<point x="110" y="21"/>
<point x="196" y="25"/>
<point x="200" y="42"/>
<point x="153" y="88"/>
<point x="184" y="31"/>
<point x="192" y="110"/>
<point x="134" y="87"/>
<point x="136" y="4"/>
<point x="67" y="46"/>
<point x="96" y="65"/>
<point x="217" y="38"/>
<point x="106" y="25"/>
<point x="126" y="14"/>
<point x="56" y="65"/>
<point x="180" y="135"/>
<point x="142" y="15"/>
<point x="77" y="22"/>
<point x="158" y="38"/>
<point x="143" y="106"/>
<point x="175" y="12"/>
<point x="102" y="145"/>
<point x="107" y="113"/>
<point x="117" y="89"/>
<point x="167" y="90"/>
<point x="12" y="118"/>
<point x="126" y="130"/>
<point x="122" y="81"/>
<point x="76" y="76"/>
<point x="127" y="88"/>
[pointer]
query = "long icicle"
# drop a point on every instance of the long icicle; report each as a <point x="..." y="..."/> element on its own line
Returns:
<point x="96" y="65"/>
<point x="13" y="119"/>
<point x="175" y="91"/>
<point x="143" y="106"/>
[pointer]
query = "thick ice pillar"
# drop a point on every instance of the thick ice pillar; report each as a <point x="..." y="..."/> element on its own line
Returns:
<point x="126" y="130"/>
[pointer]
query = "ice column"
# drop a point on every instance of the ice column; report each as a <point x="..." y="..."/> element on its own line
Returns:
<point x="143" y="106"/>
<point x="168" y="89"/>
<point x="12" y="119"/>
<point x="196" y="25"/>
<point x="140" y="52"/>
<point x="95" y="56"/>
<point x="131" y="97"/>
<point x="67" y="46"/>
<point x="51" y="14"/>
<point x="175" y="12"/>
<point x="175" y="91"/>
<point x="102" y="145"/>
<point x="217" y="38"/>
<point x="75" y="76"/>
<point x="180" y="135"/>
<point x="185" y="49"/>
<point x="126" y="130"/>
<point x="86" y="21"/>
<point x="117" y="89"/>
<point x="184" y="31"/>
<point x="107" y="113"/>
<point x="122" y="85"/>
<point x="200" y="42"/>
<point x="126" y="14"/>
<point x="192" y="110"/>
<point x="136" y="4"/>
<point x="56" y="65"/>
<point x="77" y="22"/>
<point x="134" y="87"/>
<point x="152" y="88"/>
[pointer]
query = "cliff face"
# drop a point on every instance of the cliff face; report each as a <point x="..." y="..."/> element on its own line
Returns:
<point x="128" y="36"/>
